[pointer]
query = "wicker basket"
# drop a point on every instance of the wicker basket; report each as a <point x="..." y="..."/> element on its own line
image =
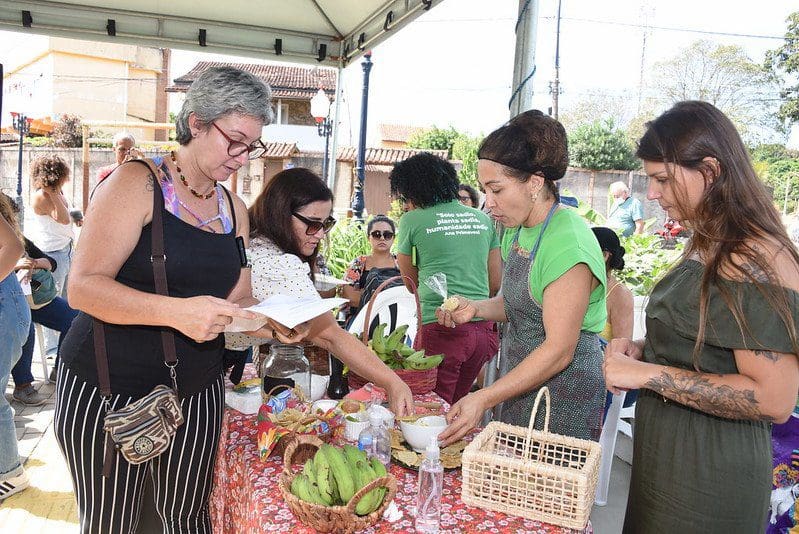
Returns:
<point x="420" y="382"/>
<point x="331" y="518"/>
<point x="530" y="473"/>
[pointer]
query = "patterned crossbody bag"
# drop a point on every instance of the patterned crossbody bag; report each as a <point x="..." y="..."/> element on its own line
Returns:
<point x="143" y="429"/>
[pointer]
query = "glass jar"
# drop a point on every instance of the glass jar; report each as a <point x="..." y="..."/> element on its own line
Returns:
<point x="285" y="367"/>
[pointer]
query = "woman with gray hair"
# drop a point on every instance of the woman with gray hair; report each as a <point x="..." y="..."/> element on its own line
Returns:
<point x="112" y="282"/>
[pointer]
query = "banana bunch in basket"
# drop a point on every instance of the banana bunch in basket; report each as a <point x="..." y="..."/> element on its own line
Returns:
<point x="396" y="354"/>
<point x="334" y="475"/>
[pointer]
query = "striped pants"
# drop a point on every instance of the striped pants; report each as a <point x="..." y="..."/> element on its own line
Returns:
<point x="181" y="477"/>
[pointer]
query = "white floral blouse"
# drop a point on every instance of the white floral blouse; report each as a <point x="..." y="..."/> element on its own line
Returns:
<point x="273" y="272"/>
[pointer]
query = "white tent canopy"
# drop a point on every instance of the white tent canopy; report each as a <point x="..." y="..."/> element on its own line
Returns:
<point x="330" y="32"/>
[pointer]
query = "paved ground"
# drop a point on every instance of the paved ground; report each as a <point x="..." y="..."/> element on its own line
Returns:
<point x="48" y="505"/>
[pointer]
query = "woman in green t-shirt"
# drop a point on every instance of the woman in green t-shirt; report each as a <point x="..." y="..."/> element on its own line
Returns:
<point x="553" y="288"/>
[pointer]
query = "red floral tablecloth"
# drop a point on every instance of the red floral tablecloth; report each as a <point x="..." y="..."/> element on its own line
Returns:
<point x="246" y="498"/>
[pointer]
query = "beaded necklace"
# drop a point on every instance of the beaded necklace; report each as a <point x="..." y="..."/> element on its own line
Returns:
<point x="205" y="196"/>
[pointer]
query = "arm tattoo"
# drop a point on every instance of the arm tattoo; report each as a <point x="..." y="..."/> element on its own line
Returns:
<point x="769" y="355"/>
<point x="755" y="271"/>
<point x="697" y="391"/>
<point x="149" y="185"/>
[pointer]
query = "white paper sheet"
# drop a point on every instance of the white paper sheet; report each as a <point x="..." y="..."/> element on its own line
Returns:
<point x="288" y="311"/>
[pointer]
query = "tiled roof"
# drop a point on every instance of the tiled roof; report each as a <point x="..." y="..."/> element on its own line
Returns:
<point x="280" y="150"/>
<point x="398" y="132"/>
<point x="384" y="156"/>
<point x="9" y="137"/>
<point x="286" y="81"/>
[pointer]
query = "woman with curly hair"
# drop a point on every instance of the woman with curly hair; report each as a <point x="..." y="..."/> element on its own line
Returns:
<point x="51" y="225"/>
<point x="438" y="234"/>
<point x="719" y="362"/>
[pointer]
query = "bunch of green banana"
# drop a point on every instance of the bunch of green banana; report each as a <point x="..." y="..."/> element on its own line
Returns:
<point x="393" y="351"/>
<point x="334" y="475"/>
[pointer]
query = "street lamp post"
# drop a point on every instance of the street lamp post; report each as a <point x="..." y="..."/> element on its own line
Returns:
<point x="320" y="109"/>
<point x="22" y="125"/>
<point x="358" y="202"/>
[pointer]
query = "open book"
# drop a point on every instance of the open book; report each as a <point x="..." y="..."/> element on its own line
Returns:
<point x="288" y="311"/>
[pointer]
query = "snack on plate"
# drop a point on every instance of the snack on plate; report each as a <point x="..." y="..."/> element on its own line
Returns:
<point x="451" y="304"/>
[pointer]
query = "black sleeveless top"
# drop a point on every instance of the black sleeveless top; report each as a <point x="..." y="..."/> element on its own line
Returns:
<point x="198" y="263"/>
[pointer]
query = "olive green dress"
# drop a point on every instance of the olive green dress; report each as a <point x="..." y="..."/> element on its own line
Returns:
<point x="693" y="472"/>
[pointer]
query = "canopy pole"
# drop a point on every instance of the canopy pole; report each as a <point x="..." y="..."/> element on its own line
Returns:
<point x="333" y="168"/>
<point x="524" y="60"/>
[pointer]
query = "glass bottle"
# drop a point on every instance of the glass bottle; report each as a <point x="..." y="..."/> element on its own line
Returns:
<point x="338" y="387"/>
<point x="428" y="495"/>
<point x="285" y="366"/>
<point x="375" y="440"/>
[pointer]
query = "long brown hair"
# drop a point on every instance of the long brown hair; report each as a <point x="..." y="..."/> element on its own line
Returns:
<point x="272" y="211"/>
<point x="735" y="214"/>
<point x="9" y="213"/>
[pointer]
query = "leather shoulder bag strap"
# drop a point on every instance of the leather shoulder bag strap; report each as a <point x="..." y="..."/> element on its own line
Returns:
<point x="158" y="259"/>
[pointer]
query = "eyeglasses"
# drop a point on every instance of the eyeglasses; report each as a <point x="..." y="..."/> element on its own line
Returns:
<point x="386" y="234"/>
<point x="237" y="148"/>
<point x="315" y="226"/>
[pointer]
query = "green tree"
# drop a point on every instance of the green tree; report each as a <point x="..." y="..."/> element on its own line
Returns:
<point x="465" y="149"/>
<point x="724" y="76"/>
<point x="601" y="146"/>
<point x="783" y="177"/>
<point x="67" y="132"/>
<point x="435" y="139"/>
<point x="784" y="62"/>
<point x="459" y="146"/>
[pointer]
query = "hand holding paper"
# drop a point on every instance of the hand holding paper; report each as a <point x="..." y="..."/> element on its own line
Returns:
<point x="288" y="311"/>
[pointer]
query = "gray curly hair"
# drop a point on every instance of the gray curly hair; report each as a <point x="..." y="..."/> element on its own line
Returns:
<point x="220" y="91"/>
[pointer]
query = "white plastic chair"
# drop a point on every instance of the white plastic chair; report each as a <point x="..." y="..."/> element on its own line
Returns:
<point x="394" y="306"/>
<point x="42" y="351"/>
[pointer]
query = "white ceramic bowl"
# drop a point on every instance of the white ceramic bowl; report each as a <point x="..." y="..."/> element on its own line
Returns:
<point x="324" y="405"/>
<point x="419" y="432"/>
<point x="353" y="429"/>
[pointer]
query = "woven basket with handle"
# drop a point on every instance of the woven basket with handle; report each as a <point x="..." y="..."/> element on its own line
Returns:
<point x="532" y="473"/>
<point x="420" y="382"/>
<point x="331" y="518"/>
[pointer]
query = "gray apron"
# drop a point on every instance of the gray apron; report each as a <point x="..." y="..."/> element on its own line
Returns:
<point x="578" y="391"/>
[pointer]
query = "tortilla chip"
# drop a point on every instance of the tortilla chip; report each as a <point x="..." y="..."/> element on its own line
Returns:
<point x="450" y="461"/>
<point x="454" y="448"/>
<point x="407" y="457"/>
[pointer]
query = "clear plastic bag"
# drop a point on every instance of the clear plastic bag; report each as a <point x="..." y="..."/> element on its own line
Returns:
<point x="437" y="282"/>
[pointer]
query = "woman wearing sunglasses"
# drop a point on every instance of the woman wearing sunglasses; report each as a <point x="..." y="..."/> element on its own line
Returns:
<point x="381" y="232"/>
<point x="288" y="220"/>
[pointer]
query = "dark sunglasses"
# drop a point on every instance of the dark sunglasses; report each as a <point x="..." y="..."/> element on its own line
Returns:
<point x="237" y="148"/>
<point x="315" y="226"/>
<point x="386" y="234"/>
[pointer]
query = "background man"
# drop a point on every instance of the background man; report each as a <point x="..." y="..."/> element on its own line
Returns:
<point x="627" y="213"/>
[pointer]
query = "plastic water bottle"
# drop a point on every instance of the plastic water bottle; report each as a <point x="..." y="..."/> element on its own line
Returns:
<point x="375" y="441"/>
<point x="428" y="496"/>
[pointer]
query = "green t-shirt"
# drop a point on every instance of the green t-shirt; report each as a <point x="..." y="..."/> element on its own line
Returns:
<point x="449" y="238"/>
<point x="566" y="242"/>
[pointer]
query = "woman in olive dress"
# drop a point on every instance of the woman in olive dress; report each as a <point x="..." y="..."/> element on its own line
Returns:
<point x="719" y="361"/>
